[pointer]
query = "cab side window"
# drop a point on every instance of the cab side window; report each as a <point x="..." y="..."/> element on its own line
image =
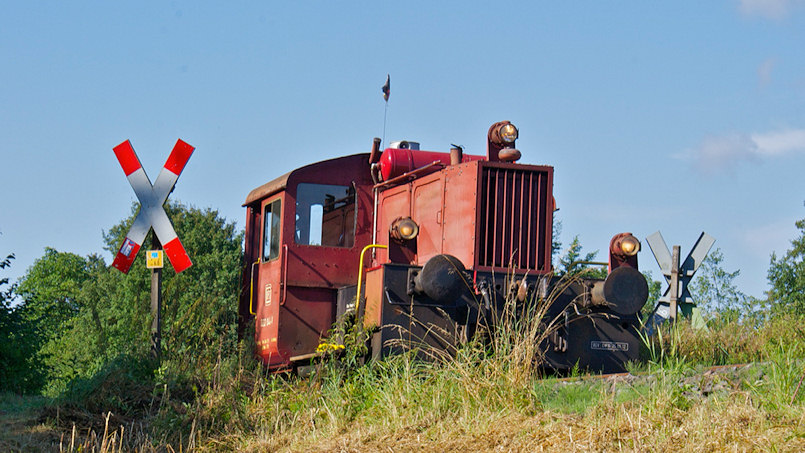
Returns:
<point x="325" y="215"/>
<point x="271" y="230"/>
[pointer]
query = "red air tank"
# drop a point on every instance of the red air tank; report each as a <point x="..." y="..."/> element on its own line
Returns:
<point x="395" y="161"/>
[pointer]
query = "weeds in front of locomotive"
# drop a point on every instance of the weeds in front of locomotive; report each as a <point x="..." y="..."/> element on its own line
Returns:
<point x="460" y="251"/>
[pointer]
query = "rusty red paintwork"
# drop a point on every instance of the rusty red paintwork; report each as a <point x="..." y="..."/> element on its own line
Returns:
<point x="512" y="208"/>
<point x="475" y="211"/>
<point x="294" y="293"/>
<point x="494" y="217"/>
<point x="493" y="143"/>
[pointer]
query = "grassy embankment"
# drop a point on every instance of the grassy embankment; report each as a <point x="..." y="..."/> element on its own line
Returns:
<point x="490" y="397"/>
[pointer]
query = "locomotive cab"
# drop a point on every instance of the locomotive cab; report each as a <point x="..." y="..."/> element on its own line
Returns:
<point x="304" y="231"/>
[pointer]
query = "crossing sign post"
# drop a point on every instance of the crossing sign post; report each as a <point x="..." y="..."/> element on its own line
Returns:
<point x="678" y="274"/>
<point x="152" y="214"/>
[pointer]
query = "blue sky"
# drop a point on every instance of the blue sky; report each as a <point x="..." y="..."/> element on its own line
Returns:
<point x="680" y="117"/>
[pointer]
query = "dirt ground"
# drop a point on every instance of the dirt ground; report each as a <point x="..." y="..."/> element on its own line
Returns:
<point x="21" y="428"/>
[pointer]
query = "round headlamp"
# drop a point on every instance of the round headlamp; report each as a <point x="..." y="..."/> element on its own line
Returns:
<point x="508" y="133"/>
<point x="629" y="245"/>
<point x="404" y="229"/>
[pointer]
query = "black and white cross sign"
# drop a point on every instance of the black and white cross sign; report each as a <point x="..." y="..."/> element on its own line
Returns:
<point x="677" y="274"/>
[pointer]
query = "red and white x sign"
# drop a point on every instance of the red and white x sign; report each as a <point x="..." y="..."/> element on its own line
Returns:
<point x="152" y="197"/>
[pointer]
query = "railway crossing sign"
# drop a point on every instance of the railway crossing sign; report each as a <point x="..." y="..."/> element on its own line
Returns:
<point x="678" y="274"/>
<point x="152" y="213"/>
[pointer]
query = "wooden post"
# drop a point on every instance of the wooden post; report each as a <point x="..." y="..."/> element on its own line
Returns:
<point x="674" y="285"/>
<point x="156" y="305"/>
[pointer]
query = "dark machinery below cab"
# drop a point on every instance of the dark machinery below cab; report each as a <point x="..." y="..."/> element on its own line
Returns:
<point x="419" y="307"/>
<point x="592" y="324"/>
<point x="596" y="323"/>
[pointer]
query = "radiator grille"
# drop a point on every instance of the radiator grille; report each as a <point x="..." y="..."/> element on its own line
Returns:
<point x="514" y="228"/>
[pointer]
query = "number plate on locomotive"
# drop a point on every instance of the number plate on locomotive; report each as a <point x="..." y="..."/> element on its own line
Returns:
<point x="609" y="346"/>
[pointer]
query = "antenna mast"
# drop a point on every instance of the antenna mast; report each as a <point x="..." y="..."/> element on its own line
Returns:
<point x="386" y="92"/>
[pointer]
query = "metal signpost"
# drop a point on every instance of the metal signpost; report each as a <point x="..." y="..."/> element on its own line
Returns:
<point x="153" y="261"/>
<point x="678" y="275"/>
<point x="152" y="214"/>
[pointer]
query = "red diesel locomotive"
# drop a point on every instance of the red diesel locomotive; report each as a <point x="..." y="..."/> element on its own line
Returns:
<point x="424" y="236"/>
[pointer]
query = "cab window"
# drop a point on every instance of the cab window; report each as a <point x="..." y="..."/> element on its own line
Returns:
<point x="325" y="215"/>
<point x="271" y="230"/>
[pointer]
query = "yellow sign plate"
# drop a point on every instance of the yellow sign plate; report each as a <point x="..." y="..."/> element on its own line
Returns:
<point x="153" y="259"/>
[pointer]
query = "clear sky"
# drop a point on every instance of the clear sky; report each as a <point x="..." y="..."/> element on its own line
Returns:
<point x="674" y="116"/>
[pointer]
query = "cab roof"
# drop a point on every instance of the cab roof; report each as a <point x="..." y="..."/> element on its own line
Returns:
<point x="279" y="184"/>
<point x="267" y="189"/>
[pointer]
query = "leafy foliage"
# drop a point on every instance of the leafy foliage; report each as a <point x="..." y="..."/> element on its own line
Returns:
<point x="716" y="293"/>
<point x="573" y="261"/>
<point x="556" y="243"/>
<point x="89" y="315"/>
<point x="51" y="291"/>
<point x="18" y="370"/>
<point x="52" y="286"/>
<point x="654" y="294"/>
<point x="787" y="276"/>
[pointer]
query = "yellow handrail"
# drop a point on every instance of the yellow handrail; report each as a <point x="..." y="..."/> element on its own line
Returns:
<point x="360" y="273"/>
<point x="251" y="287"/>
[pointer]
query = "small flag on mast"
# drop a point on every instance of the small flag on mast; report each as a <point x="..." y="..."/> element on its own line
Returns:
<point x="387" y="88"/>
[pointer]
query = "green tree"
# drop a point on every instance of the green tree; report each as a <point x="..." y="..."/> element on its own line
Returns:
<point x="654" y="294"/>
<point x="94" y="314"/>
<point x="556" y="243"/>
<point x="18" y="343"/>
<point x="51" y="289"/>
<point x="572" y="262"/>
<point x="787" y="276"/>
<point x="51" y="294"/>
<point x="200" y="304"/>
<point x="715" y="292"/>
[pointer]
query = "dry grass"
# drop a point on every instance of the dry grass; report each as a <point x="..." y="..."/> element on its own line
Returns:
<point x="499" y="403"/>
<point x="734" y="420"/>
<point x="656" y="415"/>
<point x="402" y="405"/>
<point x="712" y="426"/>
<point x="652" y="416"/>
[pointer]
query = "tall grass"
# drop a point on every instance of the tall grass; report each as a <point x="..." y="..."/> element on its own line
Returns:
<point x="490" y="395"/>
